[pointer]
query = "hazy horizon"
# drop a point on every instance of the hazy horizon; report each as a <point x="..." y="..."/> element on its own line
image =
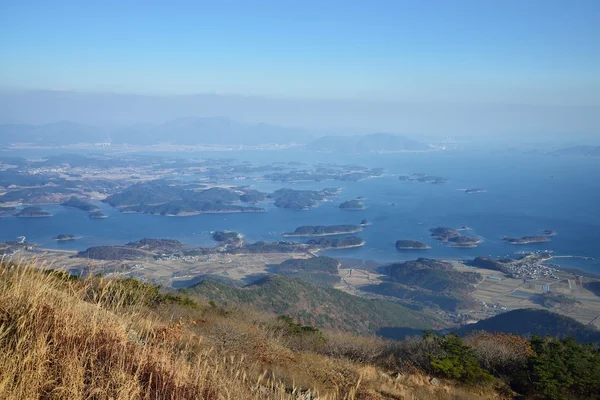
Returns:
<point x="332" y="116"/>
<point x="512" y="69"/>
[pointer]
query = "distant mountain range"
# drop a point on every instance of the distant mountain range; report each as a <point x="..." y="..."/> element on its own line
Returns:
<point x="375" y="142"/>
<point x="578" y="151"/>
<point x="219" y="131"/>
<point x="185" y="131"/>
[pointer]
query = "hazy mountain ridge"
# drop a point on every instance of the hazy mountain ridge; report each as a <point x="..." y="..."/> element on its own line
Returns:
<point x="578" y="151"/>
<point x="375" y="142"/>
<point x="218" y="131"/>
<point x="184" y="131"/>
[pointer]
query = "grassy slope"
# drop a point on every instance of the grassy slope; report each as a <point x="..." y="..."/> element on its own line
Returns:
<point x="99" y="338"/>
<point x="317" y="306"/>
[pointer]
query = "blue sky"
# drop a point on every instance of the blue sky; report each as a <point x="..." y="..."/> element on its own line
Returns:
<point x="508" y="51"/>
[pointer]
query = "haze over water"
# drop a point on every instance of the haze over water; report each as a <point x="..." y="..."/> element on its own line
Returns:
<point x="525" y="194"/>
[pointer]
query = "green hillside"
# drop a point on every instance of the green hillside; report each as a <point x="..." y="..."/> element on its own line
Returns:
<point x="528" y="322"/>
<point x="317" y="306"/>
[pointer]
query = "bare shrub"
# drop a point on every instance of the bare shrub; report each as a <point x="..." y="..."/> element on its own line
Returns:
<point x="500" y="353"/>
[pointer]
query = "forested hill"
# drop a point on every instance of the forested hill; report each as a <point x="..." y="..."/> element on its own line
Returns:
<point x="314" y="305"/>
<point x="529" y="322"/>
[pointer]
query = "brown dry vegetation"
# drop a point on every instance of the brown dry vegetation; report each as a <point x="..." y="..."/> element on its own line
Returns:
<point x="63" y="338"/>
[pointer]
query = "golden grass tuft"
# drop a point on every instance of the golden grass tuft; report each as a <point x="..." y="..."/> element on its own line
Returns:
<point x="56" y="346"/>
<point x="100" y="339"/>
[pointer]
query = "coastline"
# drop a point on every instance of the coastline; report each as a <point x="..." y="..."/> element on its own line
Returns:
<point x="352" y="246"/>
<point x="291" y="234"/>
<point x="191" y="214"/>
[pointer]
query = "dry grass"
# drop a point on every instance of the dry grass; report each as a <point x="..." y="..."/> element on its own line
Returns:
<point x="91" y="339"/>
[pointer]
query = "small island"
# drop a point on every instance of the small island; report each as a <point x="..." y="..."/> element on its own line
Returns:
<point x="33" y="212"/>
<point x="423" y="178"/>
<point x="464" y="241"/>
<point x="324" y="230"/>
<point x="443" y="233"/>
<point x="97" y="215"/>
<point x="365" y="222"/>
<point x="76" y="202"/>
<point x="470" y="191"/>
<point x="548" y="232"/>
<point x="405" y="244"/>
<point x="526" y="239"/>
<point x="352" y="205"/>
<point x="228" y="237"/>
<point x="64" y="238"/>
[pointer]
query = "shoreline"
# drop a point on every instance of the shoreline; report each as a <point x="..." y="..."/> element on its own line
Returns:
<point x="352" y="246"/>
<point x="321" y="234"/>
<point x="191" y="214"/>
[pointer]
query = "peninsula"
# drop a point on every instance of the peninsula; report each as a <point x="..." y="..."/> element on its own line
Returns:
<point x="33" y="212"/>
<point x="301" y="199"/>
<point x="76" y="202"/>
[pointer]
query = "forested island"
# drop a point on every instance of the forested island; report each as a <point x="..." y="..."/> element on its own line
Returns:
<point x="405" y="244"/>
<point x="343" y="173"/>
<point x="526" y="239"/>
<point x="445" y="234"/>
<point x="64" y="238"/>
<point x="470" y="191"/>
<point x="76" y="202"/>
<point x="182" y="209"/>
<point x="464" y="241"/>
<point x="352" y="205"/>
<point x="97" y="215"/>
<point x="167" y="198"/>
<point x="227" y="237"/>
<point x="33" y="212"/>
<point x="324" y="230"/>
<point x="424" y="178"/>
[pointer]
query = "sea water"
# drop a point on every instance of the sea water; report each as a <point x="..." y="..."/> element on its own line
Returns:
<point x="524" y="194"/>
